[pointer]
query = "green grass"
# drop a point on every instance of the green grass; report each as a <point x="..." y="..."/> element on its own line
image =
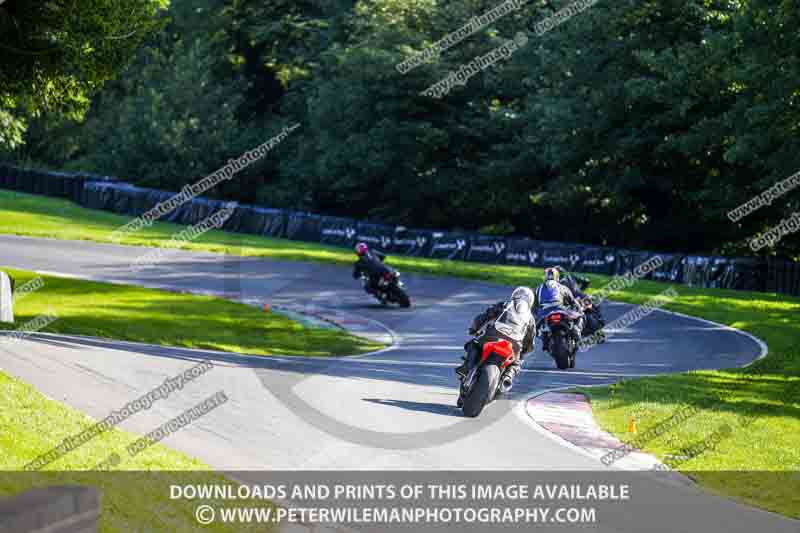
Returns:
<point x="759" y="462"/>
<point x="133" y="313"/>
<point x="131" y="500"/>
<point x="767" y="392"/>
<point x="136" y="499"/>
<point x="40" y="216"/>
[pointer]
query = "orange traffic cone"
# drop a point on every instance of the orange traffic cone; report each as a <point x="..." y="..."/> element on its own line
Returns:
<point x="632" y="425"/>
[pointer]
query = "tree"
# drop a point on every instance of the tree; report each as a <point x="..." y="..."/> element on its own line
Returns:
<point x="56" y="54"/>
<point x="637" y="123"/>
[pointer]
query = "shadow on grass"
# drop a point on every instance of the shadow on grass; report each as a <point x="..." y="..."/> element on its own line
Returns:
<point x="735" y="392"/>
<point x="143" y="315"/>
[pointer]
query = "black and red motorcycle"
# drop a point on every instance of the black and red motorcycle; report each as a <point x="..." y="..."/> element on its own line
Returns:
<point x="560" y="331"/>
<point x="387" y="288"/>
<point x="487" y="375"/>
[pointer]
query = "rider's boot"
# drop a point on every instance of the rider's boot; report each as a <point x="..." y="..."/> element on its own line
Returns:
<point x="461" y="371"/>
<point x="509" y="376"/>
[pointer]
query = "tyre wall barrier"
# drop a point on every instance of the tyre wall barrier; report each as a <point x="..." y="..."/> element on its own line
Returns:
<point x="59" y="184"/>
<point x="97" y="192"/>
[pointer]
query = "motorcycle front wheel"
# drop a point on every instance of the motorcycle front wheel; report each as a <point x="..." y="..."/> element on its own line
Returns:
<point x="483" y="391"/>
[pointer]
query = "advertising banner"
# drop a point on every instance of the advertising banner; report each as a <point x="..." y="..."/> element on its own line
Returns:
<point x="411" y="242"/>
<point x="258" y="221"/>
<point x="486" y="249"/>
<point x="524" y="252"/>
<point x="102" y="192"/>
<point x="448" y="245"/>
<point x="597" y="260"/>
<point x="337" y="230"/>
<point x="303" y="227"/>
<point x="377" y="236"/>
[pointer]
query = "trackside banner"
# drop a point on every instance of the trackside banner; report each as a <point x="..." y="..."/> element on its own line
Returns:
<point x="597" y="260"/>
<point x="336" y="230"/>
<point x="411" y="242"/>
<point x="447" y="245"/>
<point x="486" y="249"/>
<point x="99" y="192"/>
<point x="378" y="236"/>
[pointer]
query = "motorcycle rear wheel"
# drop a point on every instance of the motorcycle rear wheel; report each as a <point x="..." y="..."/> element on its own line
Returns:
<point x="560" y="352"/>
<point x="482" y="391"/>
<point x="402" y="298"/>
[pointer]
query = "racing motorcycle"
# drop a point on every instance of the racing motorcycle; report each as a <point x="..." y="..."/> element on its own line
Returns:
<point x="594" y="319"/>
<point x="591" y="312"/>
<point x="389" y="289"/>
<point x="560" y="333"/>
<point x="487" y="377"/>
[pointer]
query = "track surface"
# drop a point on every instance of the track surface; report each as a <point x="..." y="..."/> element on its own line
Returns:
<point x="392" y="410"/>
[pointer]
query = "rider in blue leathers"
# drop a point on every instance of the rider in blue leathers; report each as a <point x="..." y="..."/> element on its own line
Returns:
<point x="552" y="295"/>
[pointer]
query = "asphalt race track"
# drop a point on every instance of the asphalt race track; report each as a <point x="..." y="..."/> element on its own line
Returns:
<point x="391" y="410"/>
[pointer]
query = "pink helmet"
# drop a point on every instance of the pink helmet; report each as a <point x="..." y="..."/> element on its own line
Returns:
<point x="361" y="248"/>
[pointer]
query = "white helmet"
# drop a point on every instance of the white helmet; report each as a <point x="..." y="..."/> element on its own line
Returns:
<point x="523" y="293"/>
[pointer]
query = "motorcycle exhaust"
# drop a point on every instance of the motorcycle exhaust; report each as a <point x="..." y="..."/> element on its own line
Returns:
<point x="506" y="383"/>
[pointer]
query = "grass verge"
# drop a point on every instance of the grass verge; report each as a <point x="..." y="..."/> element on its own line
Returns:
<point x="134" y="498"/>
<point x="131" y="313"/>
<point x="760" y="404"/>
<point x="744" y="440"/>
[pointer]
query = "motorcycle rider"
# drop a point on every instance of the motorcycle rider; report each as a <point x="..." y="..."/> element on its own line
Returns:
<point x="512" y="321"/>
<point x="552" y="294"/>
<point x="577" y="284"/>
<point x="369" y="263"/>
<point x="573" y="282"/>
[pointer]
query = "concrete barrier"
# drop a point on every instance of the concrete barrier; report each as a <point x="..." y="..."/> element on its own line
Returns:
<point x="67" y="509"/>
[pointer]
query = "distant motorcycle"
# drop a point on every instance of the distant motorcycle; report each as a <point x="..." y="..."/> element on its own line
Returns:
<point x="593" y="316"/>
<point x="389" y="289"/>
<point x="487" y="377"/>
<point x="559" y="330"/>
<point x="594" y="321"/>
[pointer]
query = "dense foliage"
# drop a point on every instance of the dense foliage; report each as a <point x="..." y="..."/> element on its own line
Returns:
<point x="637" y="123"/>
<point x="54" y="55"/>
